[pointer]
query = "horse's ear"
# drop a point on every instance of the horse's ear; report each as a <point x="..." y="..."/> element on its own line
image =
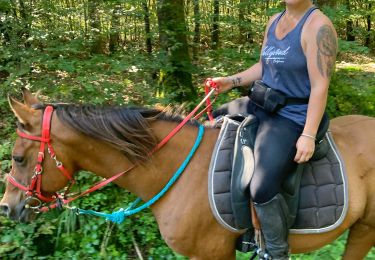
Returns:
<point x="29" y="98"/>
<point x="21" y="111"/>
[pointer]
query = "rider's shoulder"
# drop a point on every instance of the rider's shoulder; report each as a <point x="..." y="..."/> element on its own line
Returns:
<point x="273" y="18"/>
<point x="316" y="21"/>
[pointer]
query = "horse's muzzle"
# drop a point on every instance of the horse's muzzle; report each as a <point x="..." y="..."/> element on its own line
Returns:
<point x="4" y="209"/>
<point x="19" y="213"/>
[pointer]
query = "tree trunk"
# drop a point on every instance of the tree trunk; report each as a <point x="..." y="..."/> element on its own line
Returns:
<point x="321" y="3"/>
<point x="114" y="34"/>
<point x="241" y="24"/>
<point x="197" y="29"/>
<point x="68" y="5"/>
<point x="25" y="14"/>
<point x="349" y="25"/>
<point x="146" y="19"/>
<point x="250" y="34"/>
<point x="215" y="25"/>
<point x="177" y="79"/>
<point x="97" y="39"/>
<point x="368" y="36"/>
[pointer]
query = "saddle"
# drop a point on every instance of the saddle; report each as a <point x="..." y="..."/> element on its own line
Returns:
<point x="316" y="192"/>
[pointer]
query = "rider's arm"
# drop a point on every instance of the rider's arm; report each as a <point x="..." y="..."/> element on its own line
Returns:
<point x="320" y="44"/>
<point x="319" y="41"/>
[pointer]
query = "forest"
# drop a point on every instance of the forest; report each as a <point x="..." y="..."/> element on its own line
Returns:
<point x="147" y="53"/>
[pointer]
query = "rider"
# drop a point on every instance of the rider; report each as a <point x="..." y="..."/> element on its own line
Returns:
<point x="297" y="59"/>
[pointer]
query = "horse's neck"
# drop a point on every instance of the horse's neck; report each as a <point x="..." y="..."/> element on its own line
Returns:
<point x="148" y="179"/>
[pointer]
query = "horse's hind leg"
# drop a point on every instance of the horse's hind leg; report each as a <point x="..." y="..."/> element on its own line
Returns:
<point x="360" y="241"/>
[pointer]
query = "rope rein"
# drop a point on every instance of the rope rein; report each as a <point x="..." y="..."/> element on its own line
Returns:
<point x="120" y="215"/>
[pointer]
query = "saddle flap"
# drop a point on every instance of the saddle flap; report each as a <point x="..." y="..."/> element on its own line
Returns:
<point x="220" y="171"/>
<point x="243" y="168"/>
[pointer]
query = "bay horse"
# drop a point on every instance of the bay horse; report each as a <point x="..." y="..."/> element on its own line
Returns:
<point x="106" y="141"/>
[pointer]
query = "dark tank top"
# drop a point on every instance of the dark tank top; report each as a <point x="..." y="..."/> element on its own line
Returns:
<point x="284" y="67"/>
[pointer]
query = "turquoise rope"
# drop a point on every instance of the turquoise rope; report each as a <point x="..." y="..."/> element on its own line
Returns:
<point x="120" y="215"/>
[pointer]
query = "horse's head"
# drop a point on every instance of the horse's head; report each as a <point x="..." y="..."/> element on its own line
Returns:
<point x="36" y="173"/>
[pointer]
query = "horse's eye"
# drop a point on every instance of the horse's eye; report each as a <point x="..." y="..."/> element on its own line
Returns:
<point x="18" y="159"/>
<point x="20" y="125"/>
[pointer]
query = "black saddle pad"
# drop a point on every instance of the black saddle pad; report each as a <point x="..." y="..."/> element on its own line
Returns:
<point x="323" y="199"/>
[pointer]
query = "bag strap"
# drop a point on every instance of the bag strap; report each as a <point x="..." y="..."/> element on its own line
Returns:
<point x="296" y="101"/>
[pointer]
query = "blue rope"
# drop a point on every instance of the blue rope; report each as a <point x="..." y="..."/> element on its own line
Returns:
<point x="120" y="215"/>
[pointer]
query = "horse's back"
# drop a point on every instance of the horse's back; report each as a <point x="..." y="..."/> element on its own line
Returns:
<point x="355" y="133"/>
<point x="349" y="121"/>
<point x="355" y="137"/>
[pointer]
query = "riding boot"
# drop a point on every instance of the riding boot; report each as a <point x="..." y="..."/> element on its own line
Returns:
<point x="273" y="217"/>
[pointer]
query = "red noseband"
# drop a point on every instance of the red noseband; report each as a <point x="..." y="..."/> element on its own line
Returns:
<point x="34" y="189"/>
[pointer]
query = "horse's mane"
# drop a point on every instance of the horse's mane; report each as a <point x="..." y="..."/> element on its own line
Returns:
<point x="125" y="128"/>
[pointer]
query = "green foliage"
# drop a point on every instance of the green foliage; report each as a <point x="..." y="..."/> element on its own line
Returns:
<point x="352" y="92"/>
<point x="48" y="48"/>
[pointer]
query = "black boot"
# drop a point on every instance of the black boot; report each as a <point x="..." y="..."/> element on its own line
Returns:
<point x="273" y="217"/>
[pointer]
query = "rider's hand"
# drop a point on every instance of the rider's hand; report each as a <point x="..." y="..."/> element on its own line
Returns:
<point x="223" y="84"/>
<point x="305" y="149"/>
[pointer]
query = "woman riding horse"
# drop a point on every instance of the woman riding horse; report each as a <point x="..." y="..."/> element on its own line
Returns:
<point x="297" y="59"/>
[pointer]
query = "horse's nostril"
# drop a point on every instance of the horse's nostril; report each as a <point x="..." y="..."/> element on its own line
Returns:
<point x="4" y="209"/>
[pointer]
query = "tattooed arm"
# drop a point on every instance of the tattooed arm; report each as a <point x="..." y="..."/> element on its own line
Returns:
<point x="319" y="41"/>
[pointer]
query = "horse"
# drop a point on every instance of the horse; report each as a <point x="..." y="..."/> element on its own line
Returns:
<point x="107" y="140"/>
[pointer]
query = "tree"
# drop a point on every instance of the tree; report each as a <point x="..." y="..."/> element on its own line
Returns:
<point x="114" y="34"/>
<point x="146" y="18"/>
<point x="349" y="24"/>
<point x="330" y="3"/>
<point x="197" y="28"/>
<point x="215" y="25"/>
<point x="177" y="80"/>
<point x="98" y="41"/>
<point x="368" y="21"/>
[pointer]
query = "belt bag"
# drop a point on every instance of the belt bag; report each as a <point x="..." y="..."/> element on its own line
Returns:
<point x="269" y="99"/>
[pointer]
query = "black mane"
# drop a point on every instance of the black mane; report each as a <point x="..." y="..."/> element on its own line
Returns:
<point x="125" y="128"/>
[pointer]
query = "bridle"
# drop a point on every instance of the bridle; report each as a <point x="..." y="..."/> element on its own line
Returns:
<point x="34" y="190"/>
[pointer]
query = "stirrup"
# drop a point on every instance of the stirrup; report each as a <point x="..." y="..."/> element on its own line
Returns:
<point x="261" y="247"/>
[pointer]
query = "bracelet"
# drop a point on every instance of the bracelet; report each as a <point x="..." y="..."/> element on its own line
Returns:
<point x="309" y="136"/>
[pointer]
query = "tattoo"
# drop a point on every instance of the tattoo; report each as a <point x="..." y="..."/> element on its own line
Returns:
<point x="236" y="82"/>
<point x="327" y="50"/>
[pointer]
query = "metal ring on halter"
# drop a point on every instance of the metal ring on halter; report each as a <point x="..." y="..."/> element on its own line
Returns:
<point x="58" y="163"/>
<point x="32" y="199"/>
<point x="37" y="172"/>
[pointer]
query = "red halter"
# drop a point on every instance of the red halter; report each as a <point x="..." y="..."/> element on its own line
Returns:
<point x="33" y="191"/>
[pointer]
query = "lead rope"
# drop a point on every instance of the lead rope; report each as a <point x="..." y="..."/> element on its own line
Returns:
<point x="120" y="215"/>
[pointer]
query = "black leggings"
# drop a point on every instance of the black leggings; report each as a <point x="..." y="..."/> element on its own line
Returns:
<point x="274" y="151"/>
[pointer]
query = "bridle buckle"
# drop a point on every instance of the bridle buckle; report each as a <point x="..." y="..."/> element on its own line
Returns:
<point x="31" y="199"/>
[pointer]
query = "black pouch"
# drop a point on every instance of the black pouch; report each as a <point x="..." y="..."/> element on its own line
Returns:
<point x="265" y="97"/>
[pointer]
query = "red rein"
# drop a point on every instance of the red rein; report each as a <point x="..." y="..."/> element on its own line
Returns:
<point x="34" y="192"/>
